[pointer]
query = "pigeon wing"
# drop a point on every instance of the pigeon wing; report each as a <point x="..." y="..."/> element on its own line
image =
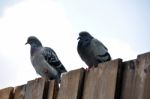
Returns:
<point x="99" y="43"/>
<point x="99" y="50"/>
<point x="51" y="57"/>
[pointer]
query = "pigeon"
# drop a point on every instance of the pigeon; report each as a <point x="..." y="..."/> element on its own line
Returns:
<point x="91" y="50"/>
<point x="45" y="60"/>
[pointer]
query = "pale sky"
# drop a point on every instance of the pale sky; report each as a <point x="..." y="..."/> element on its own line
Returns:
<point x="123" y="26"/>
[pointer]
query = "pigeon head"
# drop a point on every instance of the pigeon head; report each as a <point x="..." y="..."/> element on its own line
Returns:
<point x="84" y="36"/>
<point x="84" y="39"/>
<point x="33" y="41"/>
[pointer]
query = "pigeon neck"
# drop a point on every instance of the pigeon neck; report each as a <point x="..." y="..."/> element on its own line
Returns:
<point x="34" y="49"/>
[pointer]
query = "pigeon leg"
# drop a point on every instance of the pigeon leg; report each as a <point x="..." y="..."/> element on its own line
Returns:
<point x="37" y="79"/>
<point x="87" y="69"/>
<point x="90" y="68"/>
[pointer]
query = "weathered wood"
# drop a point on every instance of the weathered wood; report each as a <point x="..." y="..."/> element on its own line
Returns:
<point x="71" y="83"/>
<point x="129" y="79"/>
<point x="35" y="89"/>
<point x="136" y="79"/>
<point x="6" y="93"/>
<point x="100" y="83"/>
<point x="110" y="80"/>
<point x="19" y="92"/>
<point x="146" y="93"/>
<point x="53" y="89"/>
<point x="144" y="75"/>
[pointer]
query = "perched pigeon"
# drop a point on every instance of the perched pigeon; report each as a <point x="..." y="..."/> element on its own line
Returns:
<point x="45" y="60"/>
<point x="91" y="50"/>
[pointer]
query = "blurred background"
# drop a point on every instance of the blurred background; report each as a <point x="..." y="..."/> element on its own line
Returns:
<point x="123" y="26"/>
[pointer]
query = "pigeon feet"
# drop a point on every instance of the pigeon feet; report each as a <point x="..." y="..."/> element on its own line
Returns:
<point x="38" y="79"/>
<point x="91" y="68"/>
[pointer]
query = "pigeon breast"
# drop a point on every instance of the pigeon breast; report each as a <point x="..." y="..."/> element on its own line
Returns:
<point x="42" y="67"/>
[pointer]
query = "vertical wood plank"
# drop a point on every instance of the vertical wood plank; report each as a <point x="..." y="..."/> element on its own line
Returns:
<point x="19" y="92"/>
<point x="70" y="87"/>
<point x="100" y="83"/>
<point x="6" y="93"/>
<point x="53" y="89"/>
<point x="129" y="80"/>
<point x="144" y="76"/>
<point x="136" y="81"/>
<point x="35" y="89"/>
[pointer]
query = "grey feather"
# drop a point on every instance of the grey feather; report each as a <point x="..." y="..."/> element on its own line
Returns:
<point x="45" y="60"/>
<point x="91" y="50"/>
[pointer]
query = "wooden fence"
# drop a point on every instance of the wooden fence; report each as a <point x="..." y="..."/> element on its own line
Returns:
<point x="111" y="80"/>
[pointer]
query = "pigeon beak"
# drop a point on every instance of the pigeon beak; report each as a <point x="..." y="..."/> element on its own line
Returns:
<point x="78" y="38"/>
<point x="26" y="43"/>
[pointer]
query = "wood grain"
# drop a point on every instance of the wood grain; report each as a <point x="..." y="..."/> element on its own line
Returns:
<point x="6" y="93"/>
<point x="53" y="89"/>
<point x="71" y="83"/>
<point x="19" y="92"/>
<point x="100" y="83"/>
<point x="35" y="89"/>
<point x="129" y="80"/>
<point x="110" y="80"/>
<point x="136" y="79"/>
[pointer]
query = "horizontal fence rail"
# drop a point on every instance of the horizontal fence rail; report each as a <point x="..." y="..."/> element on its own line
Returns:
<point x="110" y="80"/>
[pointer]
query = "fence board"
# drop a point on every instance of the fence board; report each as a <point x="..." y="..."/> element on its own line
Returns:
<point x="136" y="79"/>
<point x="35" y="89"/>
<point x="100" y="83"/>
<point x="144" y="76"/>
<point x="110" y="80"/>
<point x="70" y="87"/>
<point x="129" y="79"/>
<point x="53" y="89"/>
<point x="19" y="92"/>
<point x="6" y="93"/>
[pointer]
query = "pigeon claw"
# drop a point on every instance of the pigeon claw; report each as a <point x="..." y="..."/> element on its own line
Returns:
<point x="38" y="79"/>
<point x="89" y="69"/>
